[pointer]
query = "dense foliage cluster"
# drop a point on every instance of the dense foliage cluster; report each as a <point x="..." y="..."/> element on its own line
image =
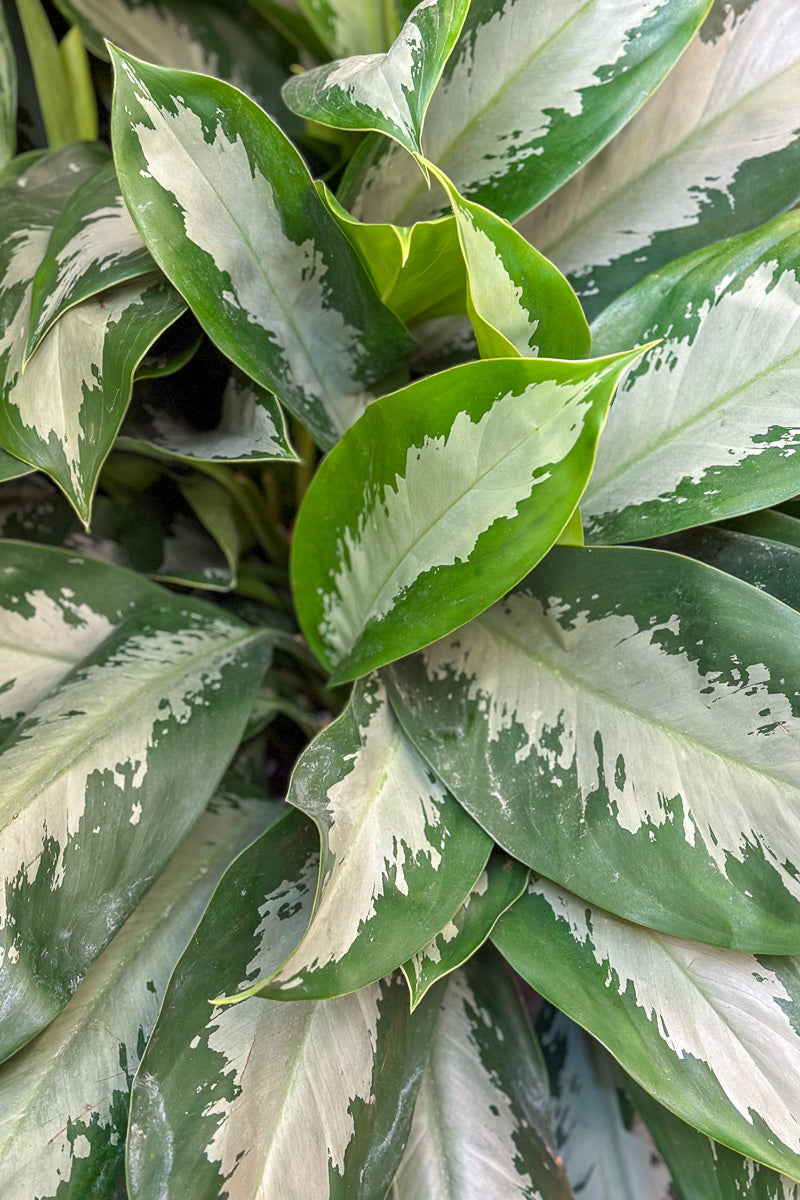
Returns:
<point x="317" y="487"/>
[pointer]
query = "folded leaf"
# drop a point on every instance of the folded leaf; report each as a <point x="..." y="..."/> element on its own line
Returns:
<point x="708" y="425"/>
<point x="110" y="766"/>
<point x="440" y="499"/>
<point x="389" y="92"/>
<point x="64" y="1098"/>
<point x="714" y="152"/>
<point x="712" y="1034"/>
<point x="229" y="212"/>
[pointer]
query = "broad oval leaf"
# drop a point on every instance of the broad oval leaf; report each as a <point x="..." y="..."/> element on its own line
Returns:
<point x="389" y="92"/>
<point x="503" y="882"/>
<point x="531" y="92"/>
<point x="214" y="1081"/>
<point x="645" y="753"/>
<point x="441" y="498"/>
<point x="107" y="771"/>
<point x="398" y="855"/>
<point x="94" y="245"/>
<point x="714" y="152"/>
<point x="708" y="424"/>
<point x="481" y="1128"/>
<point x="713" y="1034"/>
<point x="64" y="1098"/>
<point x="8" y="95"/>
<point x="230" y="213"/>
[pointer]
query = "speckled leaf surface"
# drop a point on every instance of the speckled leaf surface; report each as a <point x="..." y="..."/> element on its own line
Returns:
<point x="714" y="152"/>
<point x="712" y="1034"/>
<point x="111" y="764"/>
<point x="481" y="1128"/>
<point x="441" y="498"/>
<point x="8" y="95"/>
<point x="214" y="1080"/>
<point x="531" y="92"/>
<point x="64" y="1098"/>
<point x="94" y="245"/>
<point x="398" y="855"/>
<point x="602" y="729"/>
<point x="707" y="426"/>
<point x="390" y="92"/>
<point x="229" y="211"/>
<point x="496" y="889"/>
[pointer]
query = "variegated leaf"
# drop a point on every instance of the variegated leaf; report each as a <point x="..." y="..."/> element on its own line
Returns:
<point x="8" y="95"/>
<point x="703" y="1169"/>
<point x="714" y="152"/>
<point x="651" y="703"/>
<point x="441" y="498"/>
<point x="64" y="1098"/>
<point x="398" y="856"/>
<point x="519" y="304"/>
<point x="531" y="92"/>
<point x="498" y="887"/>
<point x="707" y="426"/>
<point x="604" y="1157"/>
<point x="482" y="1128"/>
<point x="712" y="1034"/>
<point x="390" y="92"/>
<point x="93" y="246"/>
<point x="251" y="427"/>
<point x="319" y="1095"/>
<point x="230" y="213"/>
<point x="110" y="766"/>
<point x="348" y="27"/>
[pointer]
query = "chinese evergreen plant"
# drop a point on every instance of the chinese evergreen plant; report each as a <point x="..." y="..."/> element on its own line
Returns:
<point x="309" y="453"/>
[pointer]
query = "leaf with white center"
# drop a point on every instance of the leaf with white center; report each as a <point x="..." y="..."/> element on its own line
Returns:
<point x="230" y="213"/>
<point x="482" y="1128"/>
<point x="714" y="152"/>
<point x="498" y="887"/>
<point x="440" y="499"/>
<point x="518" y="302"/>
<point x="191" y="35"/>
<point x="712" y="1034"/>
<point x="605" y="1157"/>
<point x="702" y="1168"/>
<point x="349" y="27"/>
<point x="398" y="856"/>
<point x="530" y="93"/>
<point x="251" y="427"/>
<point x="63" y="410"/>
<point x="64" y="1098"/>
<point x="390" y="92"/>
<point x="319" y="1094"/>
<point x="8" y="95"/>
<point x="603" y="727"/>
<point x="108" y="770"/>
<point x="707" y="426"/>
<point x="94" y="245"/>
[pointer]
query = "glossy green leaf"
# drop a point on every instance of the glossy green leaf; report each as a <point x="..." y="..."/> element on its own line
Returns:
<point x="770" y="524"/>
<point x="215" y="509"/>
<point x="519" y="304"/>
<point x="94" y="245"/>
<point x="78" y="71"/>
<point x="390" y="92"/>
<point x="12" y="468"/>
<point x="770" y="566"/>
<point x="398" y="855"/>
<point x="64" y="1098"/>
<point x="112" y="763"/>
<point x="601" y="691"/>
<point x="8" y="95"/>
<point x="707" y="426"/>
<point x="531" y="93"/>
<point x="605" y="1157"/>
<point x="713" y="1034"/>
<point x="497" y="888"/>
<point x="482" y="1125"/>
<point x="319" y="1095"/>
<point x="230" y="213"/>
<point x="714" y="152"/>
<point x="348" y="28"/>
<point x="53" y="90"/>
<point x="440" y="499"/>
